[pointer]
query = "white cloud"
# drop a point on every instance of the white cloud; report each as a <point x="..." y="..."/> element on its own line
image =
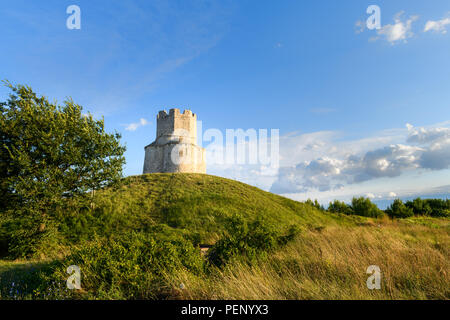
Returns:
<point x="437" y="144"/>
<point x="399" y="31"/>
<point x="435" y="136"/>
<point x="437" y="26"/>
<point x="325" y="165"/>
<point x="338" y="164"/>
<point x="133" y="126"/>
<point x="392" y="194"/>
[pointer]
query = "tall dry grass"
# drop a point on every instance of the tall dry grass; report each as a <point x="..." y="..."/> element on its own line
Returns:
<point x="331" y="263"/>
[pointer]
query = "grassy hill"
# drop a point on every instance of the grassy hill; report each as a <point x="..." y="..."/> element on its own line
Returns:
<point x="195" y="203"/>
<point x="140" y="239"/>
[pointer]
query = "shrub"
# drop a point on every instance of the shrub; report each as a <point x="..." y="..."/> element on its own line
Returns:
<point x="399" y="210"/>
<point x="430" y="207"/>
<point x="364" y="207"/>
<point x="248" y="240"/>
<point x="419" y="207"/>
<point x="315" y="204"/>
<point x="340" y="207"/>
<point x="23" y="237"/>
<point x="137" y="266"/>
<point x="439" y="207"/>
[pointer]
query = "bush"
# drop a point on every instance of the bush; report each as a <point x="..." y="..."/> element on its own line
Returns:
<point x="419" y="207"/>
<point x="315" y="204"/>
<point x="137" y="266"/>
<point x="439" y="207"/>
<point x="440" y="212"/>
<point x="360" y="206"/>
<point x="399" y="210"/>
<point x="248" y="240"/>
<point x="340" y="207"/>
<point x="24" y="237"/>
<point x="430" y="207"/>
<point x="364" y="207"/>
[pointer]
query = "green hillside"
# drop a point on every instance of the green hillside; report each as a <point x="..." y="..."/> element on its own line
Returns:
<point x="140" y="240"/>
<point x="193" y="203"/>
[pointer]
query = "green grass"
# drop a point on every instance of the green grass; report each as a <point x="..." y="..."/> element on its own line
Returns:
<point x="193" y="203"/>
<point x="108" y="236"/>
<point x="332" y="263"/>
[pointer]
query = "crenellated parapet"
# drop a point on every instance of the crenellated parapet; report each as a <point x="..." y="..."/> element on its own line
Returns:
<point x="175" y="112"/>
<point x="175" y="124"/>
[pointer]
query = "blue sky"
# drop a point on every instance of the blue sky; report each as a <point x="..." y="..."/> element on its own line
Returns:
<point x="341" y="96"/>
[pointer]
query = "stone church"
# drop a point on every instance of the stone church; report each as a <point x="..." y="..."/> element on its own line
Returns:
<point x="175" y="148"/>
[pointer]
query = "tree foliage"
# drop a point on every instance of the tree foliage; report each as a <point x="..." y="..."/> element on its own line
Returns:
<point x="248" y="240"/>
<point x="364" y="207"/>
<point x="49" y="153"/>
<point x="340" y="207"/>
<point x="360" y="206"/>
<point x="398" y="210"/>
<point x="430" y="207"/>
<point x="315" y="204"/>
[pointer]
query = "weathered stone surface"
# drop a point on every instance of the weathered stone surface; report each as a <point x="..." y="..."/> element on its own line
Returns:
<point x="175" y="148"/>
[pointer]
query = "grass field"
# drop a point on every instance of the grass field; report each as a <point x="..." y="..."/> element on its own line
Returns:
<point x="331" y="264"/>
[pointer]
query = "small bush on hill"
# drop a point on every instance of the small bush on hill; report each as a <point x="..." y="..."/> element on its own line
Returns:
<point x="340" y="207"/>
<point x="419" y="207"/>
<point x="248" y="239"/>
<point x="364" y="207"/>
<point x="398" y="210"/>
<point x="430" y="207"/>
<point x="315" y="204"/>
<point x="136" y="266"/>
<point x="360" y="207"/>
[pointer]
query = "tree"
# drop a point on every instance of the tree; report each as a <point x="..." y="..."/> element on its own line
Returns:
<point x="399" y="210"/>
<point x="364" y="207"/>
<point x="439" y="207"/>
<point x="315" y="204"/>
<point x="49" y="153"/>
<point x="340" y="207"/>
<point x="419" y="207"/>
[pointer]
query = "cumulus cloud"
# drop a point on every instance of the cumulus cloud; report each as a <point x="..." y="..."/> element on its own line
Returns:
<point x="399" y="31"/>
<point x="435" y="136"/>
<point x="392" y="194"/>
<point x="439" y="26"/>
<point x="133" y="126"/>
<point x="437" y="144"/>
<point x="422" y="148"/>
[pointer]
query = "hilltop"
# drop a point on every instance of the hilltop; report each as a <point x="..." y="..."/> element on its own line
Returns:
<point x="197" y="203"/>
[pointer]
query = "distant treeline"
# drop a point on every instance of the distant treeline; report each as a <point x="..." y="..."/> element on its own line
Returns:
<point x="362" y="206"/>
